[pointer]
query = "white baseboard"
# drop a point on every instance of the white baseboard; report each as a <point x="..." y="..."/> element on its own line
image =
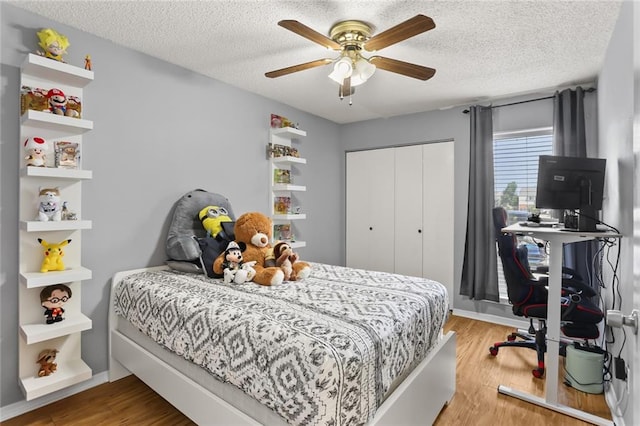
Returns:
<point x="21" y="407"/>
<point x="494" y="319"/>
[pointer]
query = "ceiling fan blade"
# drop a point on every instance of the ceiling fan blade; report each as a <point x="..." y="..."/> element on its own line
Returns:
<point x="296" y="68"/>
<point x="409" y="28"/>
<point x="404" y="68"/>
<point x="309" y="33"/>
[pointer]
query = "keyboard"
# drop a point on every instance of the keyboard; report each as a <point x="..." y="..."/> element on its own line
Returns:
<point x="538" y="225"/>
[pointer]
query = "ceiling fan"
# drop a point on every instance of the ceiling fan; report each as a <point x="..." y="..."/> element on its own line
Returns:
<point x="353" y="37"/>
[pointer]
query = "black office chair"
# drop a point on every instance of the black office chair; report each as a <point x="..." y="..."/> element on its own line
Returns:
<point x="528" y="295"/>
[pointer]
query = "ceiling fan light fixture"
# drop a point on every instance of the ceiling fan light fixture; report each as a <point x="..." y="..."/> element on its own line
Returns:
<point x="343" y="68"/>
<point x="362" y="72"/>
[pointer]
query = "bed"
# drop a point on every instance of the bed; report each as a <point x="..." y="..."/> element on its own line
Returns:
<point x="343" y="347"/>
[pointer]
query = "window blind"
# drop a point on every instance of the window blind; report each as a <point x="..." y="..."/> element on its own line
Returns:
<point x="515" y="163"/>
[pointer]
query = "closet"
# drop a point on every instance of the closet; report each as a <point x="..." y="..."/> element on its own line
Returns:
<point x="400" y="210"/>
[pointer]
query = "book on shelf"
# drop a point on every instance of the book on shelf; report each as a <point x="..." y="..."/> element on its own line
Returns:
<point x="282" y="232"/>
<point x="281" y="176"/>
<point x="281" y="205"/>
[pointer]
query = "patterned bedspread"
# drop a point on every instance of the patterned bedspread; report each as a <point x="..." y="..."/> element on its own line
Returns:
<point x="323" y="351"/>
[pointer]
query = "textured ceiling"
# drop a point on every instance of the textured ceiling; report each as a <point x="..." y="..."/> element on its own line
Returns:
<point x="482" y="50"/>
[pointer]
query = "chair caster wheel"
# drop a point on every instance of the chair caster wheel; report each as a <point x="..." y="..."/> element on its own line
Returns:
<point x="511" y="337"/>
<point x="493" y="350"/>
<point x="538" y="372"/>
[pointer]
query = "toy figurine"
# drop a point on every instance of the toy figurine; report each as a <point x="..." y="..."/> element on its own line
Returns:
<point x="52" y="298"/>
<point x="66" y="213"/>
<point x="54" y="45"/>
<point x="53" y="255"/>
<point x="87" y="62"/>
<point x="49" y="206"/>
<point x="35" y="148"/>
<point x="46" y="360"/>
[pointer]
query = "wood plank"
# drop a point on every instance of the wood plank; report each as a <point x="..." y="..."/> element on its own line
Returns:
<point x="130" y="402"/>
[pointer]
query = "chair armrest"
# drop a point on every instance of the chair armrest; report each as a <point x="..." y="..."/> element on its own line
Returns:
<point x="576" y="286"/>
<point x="565" y="271"/>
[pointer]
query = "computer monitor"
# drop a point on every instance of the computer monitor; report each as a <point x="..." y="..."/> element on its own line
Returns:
<point x="572" y="183"/>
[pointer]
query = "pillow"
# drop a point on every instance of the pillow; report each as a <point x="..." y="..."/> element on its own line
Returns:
<point x="185" y="224"/>
<point x="184" y="266"/>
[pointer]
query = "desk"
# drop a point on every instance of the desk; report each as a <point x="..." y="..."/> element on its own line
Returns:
<point x="556" y="238"/>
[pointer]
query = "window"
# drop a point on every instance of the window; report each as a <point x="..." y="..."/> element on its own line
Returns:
<point x="515" y="168"/>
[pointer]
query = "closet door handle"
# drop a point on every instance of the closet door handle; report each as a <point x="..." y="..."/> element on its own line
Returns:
<point x="371" y="228"/>
<point x="419" y="231"/>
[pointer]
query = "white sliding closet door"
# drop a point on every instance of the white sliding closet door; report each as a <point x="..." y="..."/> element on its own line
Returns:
<point x="370" y="211"/>
<point x="437" y="213"/>
<point x="408" y="210"/>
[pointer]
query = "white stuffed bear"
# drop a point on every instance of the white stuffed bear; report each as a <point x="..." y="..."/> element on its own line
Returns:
<point x="50" y="207"/>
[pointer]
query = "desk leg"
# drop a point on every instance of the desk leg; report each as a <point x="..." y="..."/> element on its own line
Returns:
<point x="553" y="323"/>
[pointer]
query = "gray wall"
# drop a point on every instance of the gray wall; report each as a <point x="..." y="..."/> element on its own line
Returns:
<point x="159" y="132"/>
<point x="619" y="143"/>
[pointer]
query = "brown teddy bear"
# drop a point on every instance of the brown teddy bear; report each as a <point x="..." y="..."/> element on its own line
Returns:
<point x="254" y="230"/>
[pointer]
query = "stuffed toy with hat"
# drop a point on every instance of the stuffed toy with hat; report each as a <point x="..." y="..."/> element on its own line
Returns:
<point x="35" y="149"/>
<point x="254" y="229"/>
<point x="235" y="269"/>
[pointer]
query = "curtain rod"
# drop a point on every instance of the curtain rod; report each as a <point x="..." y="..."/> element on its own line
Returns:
<point x="589" y="90"/>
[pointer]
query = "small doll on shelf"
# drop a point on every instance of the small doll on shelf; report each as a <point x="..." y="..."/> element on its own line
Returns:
<point x="54" y="44"/>
<point x="46" y="359"/>
<point x="52" y="298"/>
<point x="35" y="149"/>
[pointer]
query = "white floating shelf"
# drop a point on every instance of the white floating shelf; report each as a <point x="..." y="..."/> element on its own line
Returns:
<point x="289" y="216"/>
<point x="67" y="374"/>
<point x="47" y="120"/>
<point x="53" y="172"/>
<point x="287" y="159"/>
<point x="41" y="279"/>
<point x="297" y="244"/>
<point x="62" y="225"/>
<point x="288" y="132"/>
<point x="50" y="69"/>
<point x="34" y="333"/>
<point x="288" y="187"/>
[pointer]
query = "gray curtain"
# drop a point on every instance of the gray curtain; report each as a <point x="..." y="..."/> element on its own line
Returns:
<point x="479" y="270"/>
<point x="569" y="140"/>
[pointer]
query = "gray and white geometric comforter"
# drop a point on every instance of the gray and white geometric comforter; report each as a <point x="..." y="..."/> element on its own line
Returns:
<point x="323" y="351"/>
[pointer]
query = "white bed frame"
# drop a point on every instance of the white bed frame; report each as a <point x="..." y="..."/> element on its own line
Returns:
<point x="416" y="401"/>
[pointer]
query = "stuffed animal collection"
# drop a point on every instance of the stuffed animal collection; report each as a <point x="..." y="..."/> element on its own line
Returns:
<point x="199" y="237"/>
<point x="254" y="230"/>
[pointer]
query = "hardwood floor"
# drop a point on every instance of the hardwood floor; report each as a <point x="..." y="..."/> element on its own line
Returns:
<point x="476" y="402"/>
